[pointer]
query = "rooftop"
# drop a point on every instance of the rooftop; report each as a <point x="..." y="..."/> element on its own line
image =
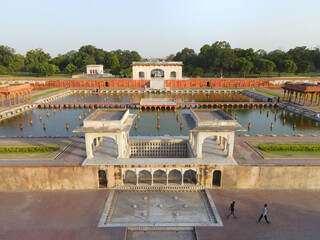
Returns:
<point x="211" y="120"/>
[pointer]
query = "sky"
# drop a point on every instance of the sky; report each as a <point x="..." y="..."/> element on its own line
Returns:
<point x="157" y="28"/>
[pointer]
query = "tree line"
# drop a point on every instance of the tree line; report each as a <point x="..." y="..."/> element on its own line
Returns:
<point x="216" y="59"/>
<point x="37" y="61"/>
<point x="219" y="58"/>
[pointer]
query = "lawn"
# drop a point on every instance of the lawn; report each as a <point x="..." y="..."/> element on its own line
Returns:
<point x="273" y="94"/>
<point x="32" y="155"/>
<point x="286" y="154"/>
<point x="40" y="95"/>
<point x="32" y="75"/>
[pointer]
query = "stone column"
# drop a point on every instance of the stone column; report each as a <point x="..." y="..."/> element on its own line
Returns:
<point x="312" y="96"/>
<point x="225" y="145"/>
<point x="98" y="141"/>
<point x="230" y="144"/>
<point x="151" y="171"/>
<point x="182" y="173"/>
<point x="198" y="146"/>
<point x="88" y="139"/>
<point x="167" y="177"/>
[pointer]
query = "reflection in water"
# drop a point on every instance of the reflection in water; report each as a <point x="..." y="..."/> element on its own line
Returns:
<point x="136" y="97"/>
<point x="147" y="125"/>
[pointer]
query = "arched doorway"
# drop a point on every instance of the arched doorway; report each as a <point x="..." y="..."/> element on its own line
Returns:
<point x="190" y="177"/>
<point x="157" y="73"/>
<point x="141" y="74"/>
<point x="144" y="177"/>
<point x="216" y="178"/>
<point x="173" y="74"/>
<point x="103" y="181"/>
<point x="175" y="177"/>
<point x="130" y="177"/>
<point x="160" y="177"/>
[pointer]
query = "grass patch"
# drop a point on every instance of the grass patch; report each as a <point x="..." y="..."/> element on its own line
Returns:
<point x="27" y="149"/>
<point x="287" y="149"/>
<point x="32" y="75"/>
<point x="36" y="96"/>
<point x="273" y="94"/>
<point x="21" y="150"/>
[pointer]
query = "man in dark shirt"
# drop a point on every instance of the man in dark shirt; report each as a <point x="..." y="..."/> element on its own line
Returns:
<point x="232" y="209"/>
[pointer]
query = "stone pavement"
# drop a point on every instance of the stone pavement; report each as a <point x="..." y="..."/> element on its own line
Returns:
<point x="294" y="215"/>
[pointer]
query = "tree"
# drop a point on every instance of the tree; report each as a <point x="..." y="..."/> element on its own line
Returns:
<point x="46" y="69"/>
<point x="34" y="58"/>
<point x="82" y="59"/>
<point x="18" y="63"/>
<point x="315" y="56"/>
<point x="6" y="56"/>
<point x="287" y="66"/>
<point x="70" y="68"/>
<point x="223" y="57"/>
<point x="170" y="57"/>
<point x="115" y="66"/>
<point x="60" y="61"/>
<point x="204" y="58"/>
<point x="265" y="66"/>
<point x="127" y="71"/>
<point x="304" y="66"/>
<point x="244" y="66"/>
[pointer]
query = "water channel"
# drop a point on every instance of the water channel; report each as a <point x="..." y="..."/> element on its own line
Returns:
<point x="147" y="125"/>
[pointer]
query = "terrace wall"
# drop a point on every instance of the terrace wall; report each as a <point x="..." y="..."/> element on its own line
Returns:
<point x="86" y="177"/>
<point x="39" y="84"/>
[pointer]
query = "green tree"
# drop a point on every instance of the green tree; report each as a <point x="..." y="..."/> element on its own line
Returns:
<point x="287" y="66"/>
<point x="46" y="69"/>
<point x="115" y="66"/>
<point x="127" y="71"/>
<point x="170" y="57"/>
<point x="265" y="66"/>
<point x="60" y="61"/>
<point x="204" y="58"/>
<point x="18" y="63"/>
<point x="70" y="68"/>
<point x="304" y="66"/>
<point x="244" y="66"/>
<point x="223" y="57"/>
<point x="6" y="55"/>
<point x="34" y="58"/>
<point x="82" y="59"/>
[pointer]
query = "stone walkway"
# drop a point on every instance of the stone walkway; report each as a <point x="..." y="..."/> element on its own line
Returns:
<point x="294" y="215"/>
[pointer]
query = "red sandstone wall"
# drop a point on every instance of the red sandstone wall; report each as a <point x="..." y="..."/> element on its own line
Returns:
<point x="39" y="84"/>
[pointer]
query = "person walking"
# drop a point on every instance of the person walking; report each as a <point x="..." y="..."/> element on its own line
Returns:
<point x="232" y="210"/>
<point x="264" y="214"/>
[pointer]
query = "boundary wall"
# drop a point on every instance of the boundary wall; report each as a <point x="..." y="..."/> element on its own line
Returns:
<point x="86" y="177"/>
<point x="46" y="83"/>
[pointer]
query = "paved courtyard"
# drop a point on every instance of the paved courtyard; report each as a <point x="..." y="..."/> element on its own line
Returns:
<point x="294" y="215"/>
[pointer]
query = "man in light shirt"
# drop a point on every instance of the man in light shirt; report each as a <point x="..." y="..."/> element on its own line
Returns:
<point x="264" y="213"/>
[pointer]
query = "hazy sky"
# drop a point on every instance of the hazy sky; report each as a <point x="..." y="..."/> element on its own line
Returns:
<point x="158" y="27"/>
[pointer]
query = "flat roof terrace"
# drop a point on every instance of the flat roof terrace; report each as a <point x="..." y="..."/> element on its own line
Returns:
<point x="152" y="102"/>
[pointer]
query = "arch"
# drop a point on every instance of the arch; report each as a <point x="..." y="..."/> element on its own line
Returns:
<point x="175" y="177"/>
<point x="141" y="74"/>
<point x="103" y="181"/>
<point x="173" y="74"/>
<point x="144" y="177"/>
<point x="190" y="177"/>
<point x="130" y="177"/>
<point x="160" y="177"/>
<point x="157" y="73"/>
<point x="216" y="178"/>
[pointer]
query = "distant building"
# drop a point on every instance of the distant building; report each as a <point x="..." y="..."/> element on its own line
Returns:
<point x="94" y="69"/>
<point x="157" y="72"/>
